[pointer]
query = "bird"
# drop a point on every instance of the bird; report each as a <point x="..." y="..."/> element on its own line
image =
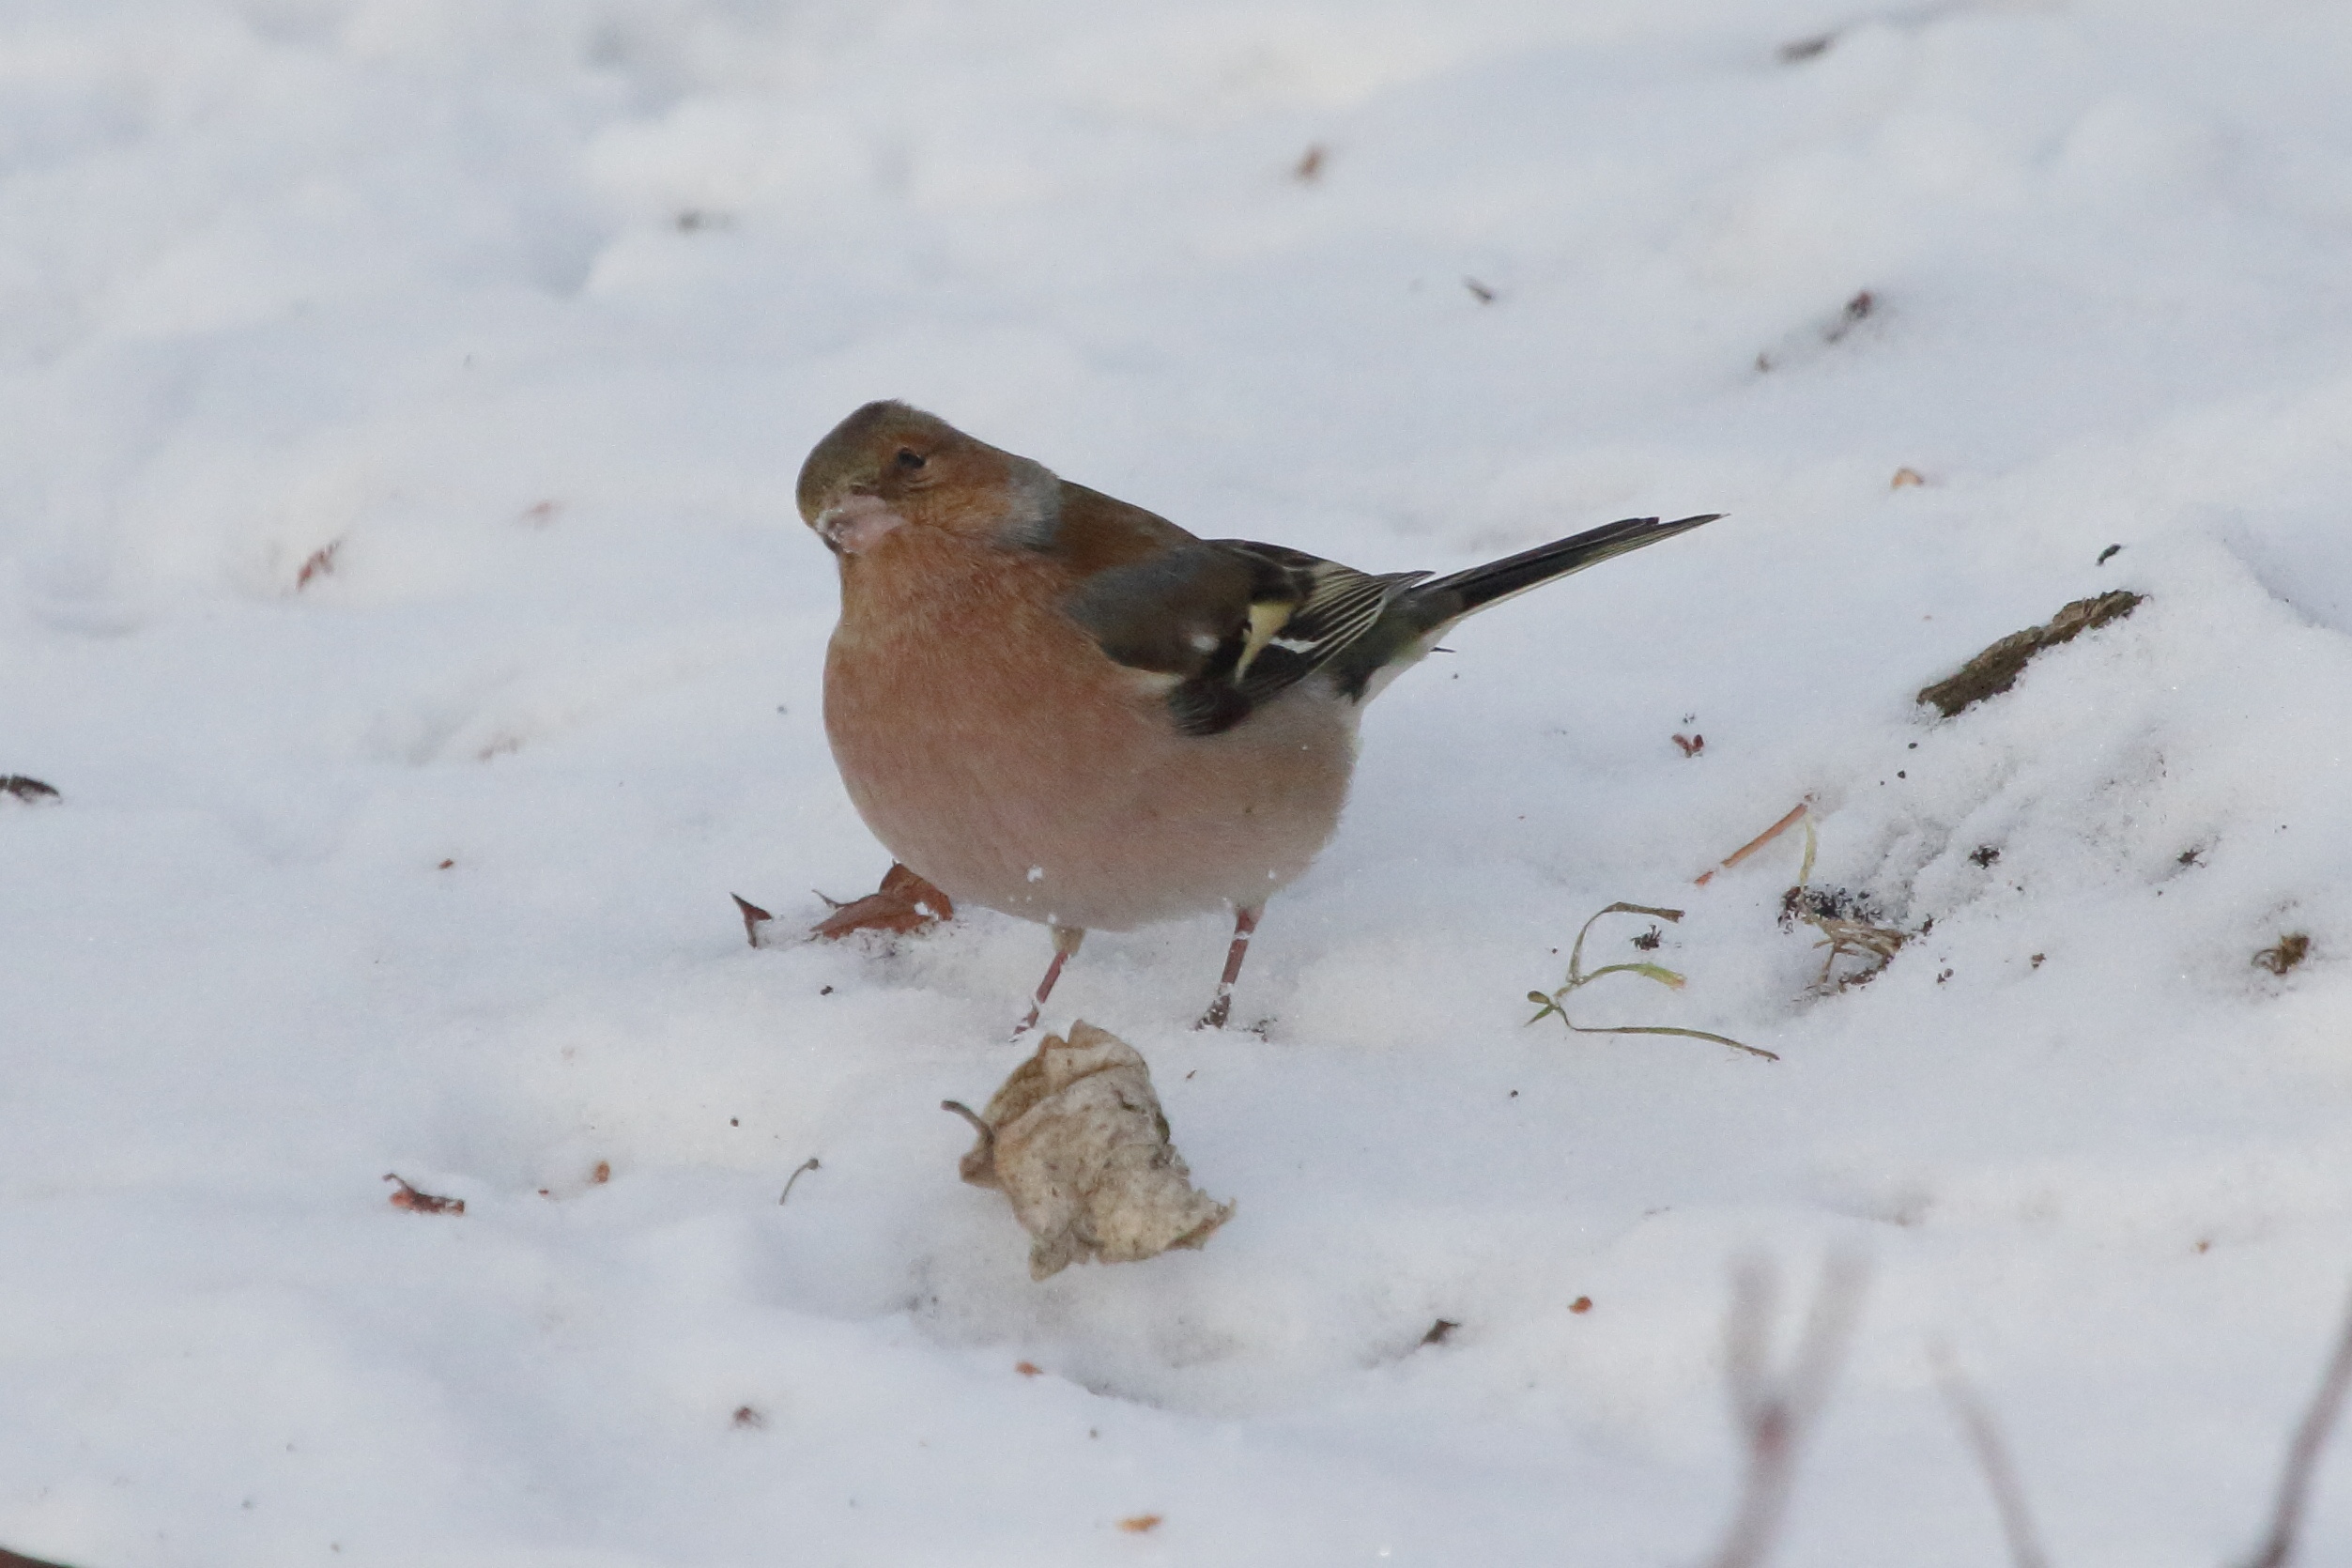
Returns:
<point x="1050" y="702"/>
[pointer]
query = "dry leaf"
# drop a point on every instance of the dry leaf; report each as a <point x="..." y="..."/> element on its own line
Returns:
<point x="1076" y="1140"/>
<point x="904" y="902"/>
<point x="754" y="917"/>
<point x="1310" y="165"/>
<point x="423" y="1203"/>
<point x="30" y="790"/>
<point x="1140" y="1523"/>
<point x="2283" y="955"/>
<point x="321" y="563"/>
<point x="1858" y="311"/>
<point x="746" y="1416"/>
<point x="602" y="1173"/>
<point x="1904" y="478"/>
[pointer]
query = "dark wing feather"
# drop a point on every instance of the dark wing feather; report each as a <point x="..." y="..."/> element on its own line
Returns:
<point x="1302" y="611"/>
<point x="1236" y="622"/>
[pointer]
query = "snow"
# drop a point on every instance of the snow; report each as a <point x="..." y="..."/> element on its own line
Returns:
<point x="510" y="320"/>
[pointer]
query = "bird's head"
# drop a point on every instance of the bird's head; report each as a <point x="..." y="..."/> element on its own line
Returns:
<point x="888" y="466"/>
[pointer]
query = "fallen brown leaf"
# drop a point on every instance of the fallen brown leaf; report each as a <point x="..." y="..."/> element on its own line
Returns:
<point x="321" y="563"/>
<point x="1076" y="1141"/>
<point x="1141" y="1524"/>
<point x="904" y="902"/>
<point x="423" y="1203"/>
<point x="754" y="917"/>
<point x="2283" y="955"/>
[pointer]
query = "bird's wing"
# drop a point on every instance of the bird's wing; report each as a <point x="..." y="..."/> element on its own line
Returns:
<point x="1234" y="622"/>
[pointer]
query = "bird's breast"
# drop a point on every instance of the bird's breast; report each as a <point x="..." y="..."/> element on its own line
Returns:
<point x="995" y="748"/>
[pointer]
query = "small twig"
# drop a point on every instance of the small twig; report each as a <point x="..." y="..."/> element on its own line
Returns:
<point x="1796" y="814"/>
<point x="988" y="1133"/>
<point x="1555" y="1002"/>
<point x="805" y="1166"/>
<point x="2302" y="1456"/>
<point x="1983" y="1436"/>
<point x="1776" y="1413"/>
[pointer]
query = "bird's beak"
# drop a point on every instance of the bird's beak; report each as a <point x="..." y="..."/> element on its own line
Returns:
<point x="856" y="524"/>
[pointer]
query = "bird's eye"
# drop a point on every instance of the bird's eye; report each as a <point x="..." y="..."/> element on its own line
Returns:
<point x="909" y="459"/>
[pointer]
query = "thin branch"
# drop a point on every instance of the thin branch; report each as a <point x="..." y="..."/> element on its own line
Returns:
<point x="1776" y="1411"/>
<point x="790" y="1182"/>
<point x="1796" y="814"/>
<point x="2302" y="1456"/>
<point x="1983" y="1436"/>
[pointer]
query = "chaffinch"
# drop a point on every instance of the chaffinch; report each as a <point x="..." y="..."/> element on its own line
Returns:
<point x="1053" y="703"/>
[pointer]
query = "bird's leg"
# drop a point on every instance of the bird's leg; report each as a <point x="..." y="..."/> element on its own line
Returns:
<point x="1244" y="922"/>
<point x="1066" y="941"/>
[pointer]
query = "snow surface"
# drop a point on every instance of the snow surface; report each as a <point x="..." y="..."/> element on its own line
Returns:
<point x="526" y="311"/>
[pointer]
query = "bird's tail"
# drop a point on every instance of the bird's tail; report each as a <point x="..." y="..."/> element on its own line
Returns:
<point x="1417" y="614"/>
<point x="1443" y="600"/>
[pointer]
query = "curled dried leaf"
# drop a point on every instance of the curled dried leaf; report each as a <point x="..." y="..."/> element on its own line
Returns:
<point x="415" y="1202"/>
<point x="754" y="917"/>
<point x="321" y="563"/>
<point x="1075" y="1139"/>
<point x="904" y="902"/>
<point x="2286" y="953"/>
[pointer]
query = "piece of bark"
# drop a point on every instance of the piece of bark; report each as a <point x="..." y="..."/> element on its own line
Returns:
<point x="1076" y="1140"/>
<point x="904" y="902"/>
<point x="30" y="790"/>
<point x="1996" y="670"/>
